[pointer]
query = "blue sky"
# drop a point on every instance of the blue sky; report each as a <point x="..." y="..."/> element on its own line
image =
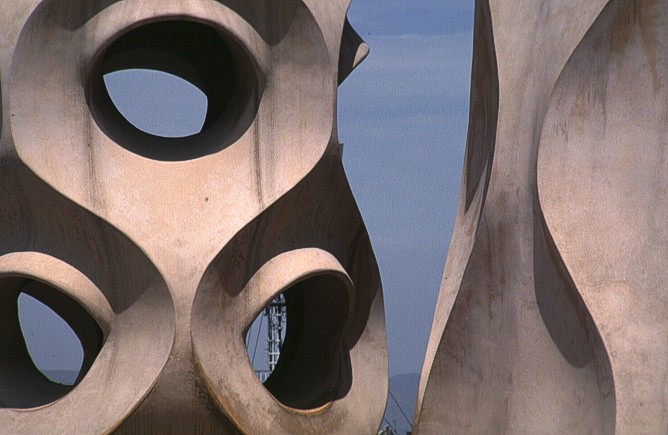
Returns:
<point x="403" y="117"/>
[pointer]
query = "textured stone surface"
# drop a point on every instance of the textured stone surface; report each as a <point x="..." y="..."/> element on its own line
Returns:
<point x="551" y="317"/>
<point x="159" y="252"/>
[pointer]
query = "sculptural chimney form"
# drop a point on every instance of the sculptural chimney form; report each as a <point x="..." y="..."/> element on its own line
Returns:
<point x="160" y="252"/>
<point x="552" y="312"/>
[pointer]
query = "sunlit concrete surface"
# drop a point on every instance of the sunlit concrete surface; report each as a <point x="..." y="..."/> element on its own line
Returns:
<point x="551" y="317"/>
<point x="159" y="252"/>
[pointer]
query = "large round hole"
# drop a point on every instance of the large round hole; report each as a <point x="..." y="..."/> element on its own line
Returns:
<point x="313" y="364"/>
<point x="48" y="342"/>
<point x="54" y="348"/>
<point x="157" y="102"/>
<point x="173" y="90"/>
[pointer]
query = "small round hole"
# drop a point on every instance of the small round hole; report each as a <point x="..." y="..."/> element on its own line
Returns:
<point x="157" y="102"/>
<point x="53" y="347"/>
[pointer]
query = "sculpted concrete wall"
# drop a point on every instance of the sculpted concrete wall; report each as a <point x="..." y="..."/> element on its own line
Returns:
<point x="159" y="253"/>
<point x="552" y="312"/>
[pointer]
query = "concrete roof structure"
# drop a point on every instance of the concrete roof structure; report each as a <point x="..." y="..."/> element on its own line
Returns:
<point x="551" y="317"/>
<point x="160" y="252"/>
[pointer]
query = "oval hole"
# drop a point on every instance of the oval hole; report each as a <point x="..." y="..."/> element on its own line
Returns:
<point x="47" y="345"/>
<point x="174" y="90"/>
<point x="157" y="102"/>
<point x="53" y="347"/>
<point x="313" y="365"/>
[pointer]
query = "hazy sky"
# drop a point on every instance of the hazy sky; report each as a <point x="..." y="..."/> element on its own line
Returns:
<point x="402" y="118"/>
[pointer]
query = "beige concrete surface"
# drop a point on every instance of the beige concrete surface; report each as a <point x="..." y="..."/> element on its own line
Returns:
<point x="551" y="317"/>
<point x="159" y="253"/>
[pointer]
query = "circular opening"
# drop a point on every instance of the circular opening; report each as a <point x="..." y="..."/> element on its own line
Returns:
<point x="54" y="348"/>
<point x="48" y="342"/>
<point x="305" y="363"/>
<point x="173" y="90"/>
<point x="157" y="102"/>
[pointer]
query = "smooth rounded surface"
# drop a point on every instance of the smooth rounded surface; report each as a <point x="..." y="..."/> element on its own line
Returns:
<point x="516" y="344"/>
<point x="154" y="222"/>
<point x="302" y="238"/>
<point x="102" y="279"/>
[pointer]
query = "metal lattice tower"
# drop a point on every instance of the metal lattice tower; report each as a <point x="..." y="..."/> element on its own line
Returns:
<point x="276" y="318"/>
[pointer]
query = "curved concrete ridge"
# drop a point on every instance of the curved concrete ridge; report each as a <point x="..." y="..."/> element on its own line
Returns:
<point x="601" y="178"/>
<point x="248" y="168"/>
<point x="61" y="276"/>
<point x="500" y="358"/>
<point x="340" y="394"/>
<point x="284" y="271"/>
<point x="83" y="262"/>
<point x="477" y="167"/>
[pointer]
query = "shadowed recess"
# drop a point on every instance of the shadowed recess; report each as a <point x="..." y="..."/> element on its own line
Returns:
<point x="571" y="326"/>
<point x="560" y="304"/>
<point x="192" y="51"/>
<point x="353" y="51"/>
<point x="313" y="363"/>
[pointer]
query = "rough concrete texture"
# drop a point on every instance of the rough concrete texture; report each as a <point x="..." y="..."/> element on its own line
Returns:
<point x="552" y="312"/>
<point x="159" y="253"/>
